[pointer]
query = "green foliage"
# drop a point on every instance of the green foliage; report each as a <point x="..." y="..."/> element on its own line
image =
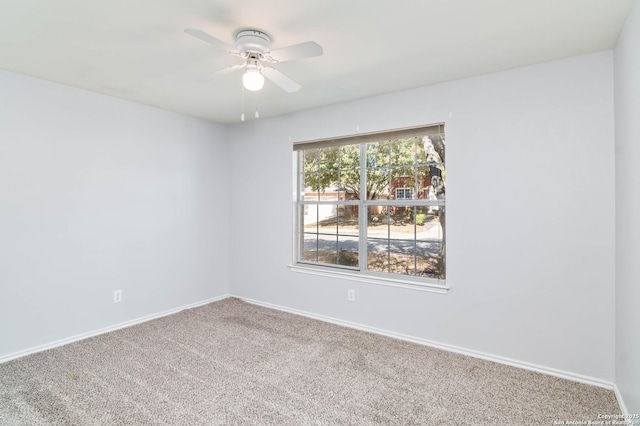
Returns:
<point x="420" y="217"/>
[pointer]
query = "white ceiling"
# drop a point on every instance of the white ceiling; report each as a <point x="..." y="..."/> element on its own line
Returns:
<point x="137" y="50"/>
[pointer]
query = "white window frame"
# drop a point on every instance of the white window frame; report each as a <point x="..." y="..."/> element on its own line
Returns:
<point x="361" y="273"/>
<point x="404" y="194"/>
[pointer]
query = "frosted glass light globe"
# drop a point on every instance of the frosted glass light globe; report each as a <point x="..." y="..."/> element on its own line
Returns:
<point x="253" y="80"/>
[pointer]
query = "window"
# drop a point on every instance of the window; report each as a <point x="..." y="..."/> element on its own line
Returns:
<point x="373" y="205"/>
<point x="404" y="193"/>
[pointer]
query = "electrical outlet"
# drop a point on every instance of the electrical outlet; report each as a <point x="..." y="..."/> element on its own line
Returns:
<point x="117" y="296"/>
<point x="351" y="295"/>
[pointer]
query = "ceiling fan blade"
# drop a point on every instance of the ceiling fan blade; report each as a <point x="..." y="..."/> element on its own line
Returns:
<point x="287" y="84"/>
<point x="308" y="49"/>
<point x="207" y="38"/>
<point x="224" y="71"/>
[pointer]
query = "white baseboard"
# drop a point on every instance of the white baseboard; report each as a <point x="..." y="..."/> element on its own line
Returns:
<point x="621" y="403"/>
<point x="125" y="324"/>
<point x="489" y="357"/>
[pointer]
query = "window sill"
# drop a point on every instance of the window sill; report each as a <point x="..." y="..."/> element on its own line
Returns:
<point x="373" y="279"/>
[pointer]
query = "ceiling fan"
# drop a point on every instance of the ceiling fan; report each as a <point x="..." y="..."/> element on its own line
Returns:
<point x="254" y="47"/>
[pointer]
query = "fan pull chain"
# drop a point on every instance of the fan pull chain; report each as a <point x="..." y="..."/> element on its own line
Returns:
<point x="242" y="115"/>
<point x="257" y="98"/>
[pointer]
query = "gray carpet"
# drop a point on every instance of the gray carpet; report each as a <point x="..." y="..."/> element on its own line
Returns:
<point x="234" y="363"/>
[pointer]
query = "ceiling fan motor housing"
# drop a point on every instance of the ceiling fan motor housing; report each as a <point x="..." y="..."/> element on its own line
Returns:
<point x="253" y="41"/>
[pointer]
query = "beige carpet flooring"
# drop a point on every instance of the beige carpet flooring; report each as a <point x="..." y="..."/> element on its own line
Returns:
<point x="234" y="363"/>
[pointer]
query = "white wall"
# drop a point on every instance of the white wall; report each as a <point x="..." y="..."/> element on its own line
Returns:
<point x="530" y="215"/>
<point x="98" y="194"/>
<point x="627" y="107"/>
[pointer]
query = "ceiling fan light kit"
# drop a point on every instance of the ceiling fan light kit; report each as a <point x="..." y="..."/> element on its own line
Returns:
<point x="255" y="47"/>
<point x="252" y="79"/>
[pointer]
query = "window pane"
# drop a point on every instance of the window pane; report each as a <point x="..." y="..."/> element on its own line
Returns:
<point x="310" y="160"/>
<point x="401" y="222"/>
<point x="349" y="184"/>
<point x="434" y="148"/>
<point x="378" y="184"/>
<point x="402" y="257"/>
<point x="429" y="261"/>
<point x="377" y="155"/>
<point x="433" y="220"/>
<point x="423" y="180"/>
<point x="350" y="157"/>
<point x="378" y="255"/>
<point x="402" y="152"/>
<point x="328" y="219"/>
<point x="348" y="220"/>
<point x="378" y="222"/>
<point x="328" y="183"/>
<point x="329" y="158"/>
<point x="438" y="181"/>
<point x="419" y="153"/>
<point x="348" y="251"/>
<point x="423" y="215"/>
<point x="309" y="248"/>
<point x="378" y="238"/>
<point x="434" y="153"/>
<point x="402" y="248"/>
<point x="328" y="249"/>
<point x="430" y="241"/>
<point x="309" y="183"/>
<point x="310" y="215"/>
